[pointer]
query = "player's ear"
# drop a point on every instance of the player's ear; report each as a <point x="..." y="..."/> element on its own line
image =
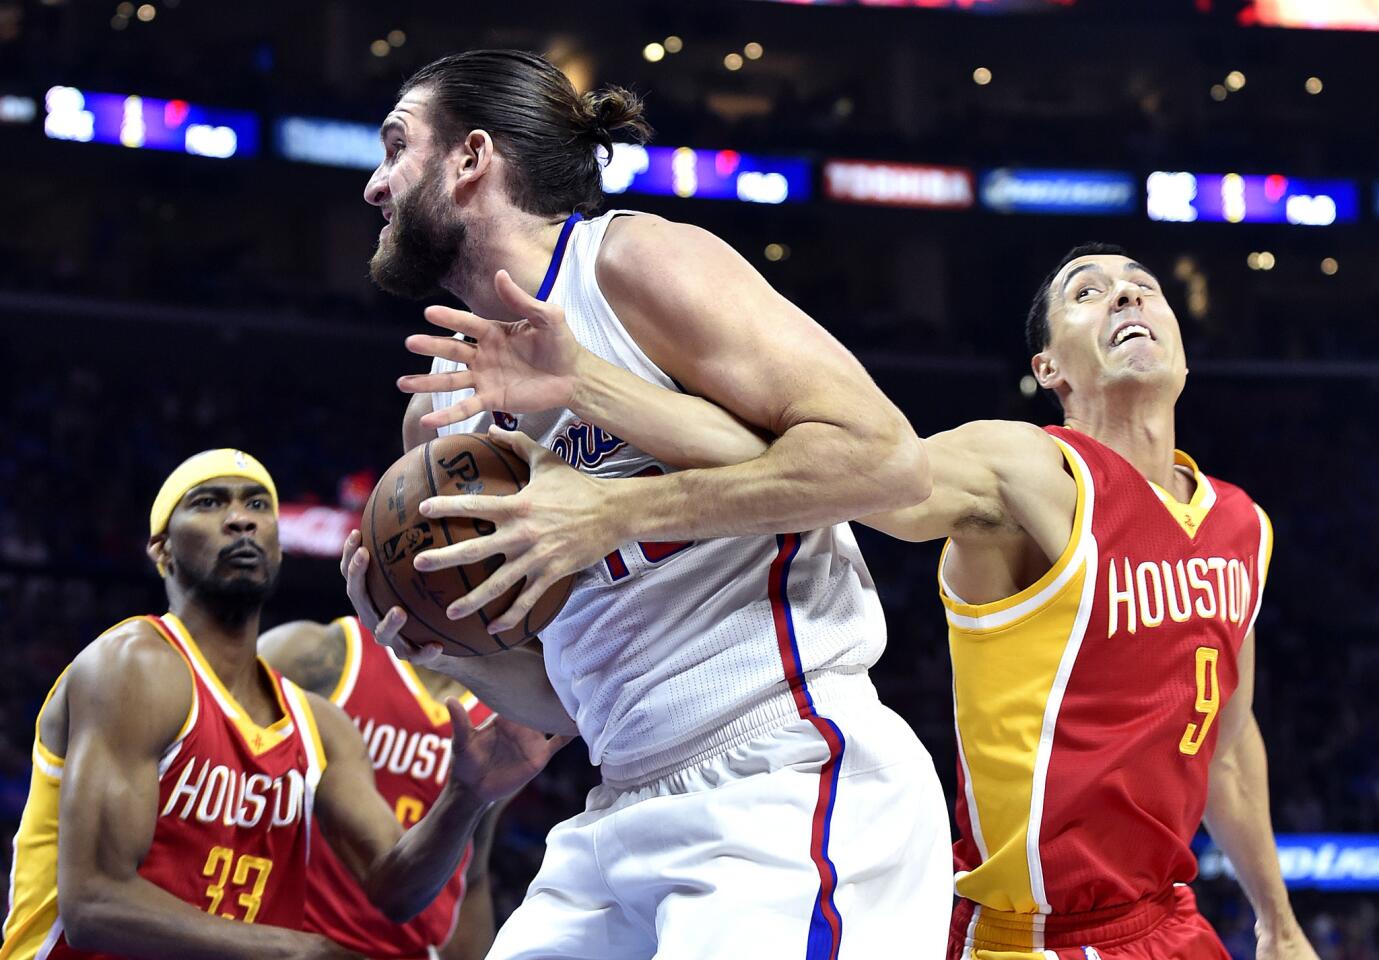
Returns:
<point x="1046" y="370"/>
<point x="471" y="158"/>
<point x="157" y="551"/>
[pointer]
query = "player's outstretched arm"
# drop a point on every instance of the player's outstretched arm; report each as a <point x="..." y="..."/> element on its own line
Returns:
<point x="401" y="873"/>
<point x="1237" y="817"/>
<point x="109" y="809"/>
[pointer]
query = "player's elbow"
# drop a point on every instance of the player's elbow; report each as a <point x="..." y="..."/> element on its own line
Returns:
<point x="899" y="468"/>
<point x="88" y="912"/>
<point x="394" y="900"/>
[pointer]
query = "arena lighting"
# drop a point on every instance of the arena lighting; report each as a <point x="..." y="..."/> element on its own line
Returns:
<point x="331" y="143"/>
<point x="1081" y="192"/>
<point x="1313" y="85"/>
<point x="17" y="109"/>
<point x="673" y="44"/>
<point x="1250" y="198"/>
<point x="706" y="174"/>
<point x="149" y="124"/>
<point x="899" y="184"/>
<point x="1318" y="861"/>
<point x="653" y="52"/>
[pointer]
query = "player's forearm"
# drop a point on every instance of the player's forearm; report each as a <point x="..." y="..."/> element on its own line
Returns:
<point x="134" y="918"/>
<point x="813" y="476"/>
<point x="405" y="880"/>
<point x="476" y="927"/>
<point x="675" y="428"/>
<point x="513" y="684"/>
<point x="1237" y="816"/>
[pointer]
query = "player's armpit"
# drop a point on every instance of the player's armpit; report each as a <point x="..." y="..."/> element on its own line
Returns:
<point x="310" y="654"/>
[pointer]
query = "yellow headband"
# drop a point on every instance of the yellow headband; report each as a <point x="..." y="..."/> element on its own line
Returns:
<point x="196" y="470"/>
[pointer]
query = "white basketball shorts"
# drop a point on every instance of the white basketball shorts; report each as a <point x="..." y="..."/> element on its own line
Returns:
<point x="823" y="838"/>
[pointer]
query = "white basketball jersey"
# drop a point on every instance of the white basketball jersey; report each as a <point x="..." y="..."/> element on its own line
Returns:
<point x="666" y="653"/>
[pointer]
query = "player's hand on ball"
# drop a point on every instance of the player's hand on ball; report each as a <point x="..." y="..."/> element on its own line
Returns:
<point x="554" y="526"/>
<point x="522" y="367"/>
<point x="354" y="563"/>
<point x="499" y="757"/>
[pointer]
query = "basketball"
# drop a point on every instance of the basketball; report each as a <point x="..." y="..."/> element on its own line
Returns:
<point x="394" y="532"/>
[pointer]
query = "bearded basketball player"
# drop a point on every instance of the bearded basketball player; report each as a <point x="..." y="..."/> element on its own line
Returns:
<point x="756" y="797"/>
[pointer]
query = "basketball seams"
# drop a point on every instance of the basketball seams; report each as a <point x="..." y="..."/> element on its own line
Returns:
<point x="419" y="589"/>
<point x="387" y="577"/>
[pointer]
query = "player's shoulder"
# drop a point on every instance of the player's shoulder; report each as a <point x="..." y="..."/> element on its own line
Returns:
<point x="1009" y="442"/>
<point x="1234" y="498"/>
<point x="131" y="651"/>
<point x="641" y="247"/>
<point x="132" y="663"/>
<point x="310" y="654"/>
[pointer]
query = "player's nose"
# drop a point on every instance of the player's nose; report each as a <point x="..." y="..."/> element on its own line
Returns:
<point x="376" y="190"/>
<point x="240" y="520"/>
<point x="1127" y="294"/>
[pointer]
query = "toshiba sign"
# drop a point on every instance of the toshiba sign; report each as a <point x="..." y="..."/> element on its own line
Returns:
<point x="898" y="184"/>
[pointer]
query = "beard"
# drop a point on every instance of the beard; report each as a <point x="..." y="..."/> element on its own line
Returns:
<point x="423" y="244"/>
<point x="231" y="599"/>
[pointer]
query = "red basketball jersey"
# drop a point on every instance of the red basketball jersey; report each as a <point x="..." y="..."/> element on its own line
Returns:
<point x="1086" y="705"/>
<point x="407" y="734"/>
<point x="234" y="802"/>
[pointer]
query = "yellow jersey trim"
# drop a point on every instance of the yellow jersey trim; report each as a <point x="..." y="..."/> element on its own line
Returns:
<point x="1188" y="515"/>
<point x="354" y="656"/>
<point x="258" y="739"/>
<point x="434" y="710"/>
<point x="1000" y="614"/>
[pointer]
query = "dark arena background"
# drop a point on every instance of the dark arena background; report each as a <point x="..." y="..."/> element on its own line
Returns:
<point x="183" y="265"/>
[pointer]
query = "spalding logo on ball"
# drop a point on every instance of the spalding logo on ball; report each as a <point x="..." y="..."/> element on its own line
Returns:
<point x="394" y="532"/>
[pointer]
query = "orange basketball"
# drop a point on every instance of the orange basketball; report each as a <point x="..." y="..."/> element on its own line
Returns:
<point x="394" y="532"/>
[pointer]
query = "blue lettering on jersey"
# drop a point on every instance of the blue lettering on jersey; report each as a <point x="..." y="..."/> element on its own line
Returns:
<point x="585" y="445"/>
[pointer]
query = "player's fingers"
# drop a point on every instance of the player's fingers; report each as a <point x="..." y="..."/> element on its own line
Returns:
<point x="532" y="591"/>
<point x="436" y="382"/>
<point x="460" y="726"/>
<point x="461" y="321"/>
<point x="465" y="552"/>
<point x="539" y="313"/>
<point x="518" y="442"/>
<point x="469" y="505"/>
<point x="347" y="551"/>
<point x="446" y="348"/>
<point x="498" y="583"/>
<point x="456" y="412"/>
<point x="391" y="625"/>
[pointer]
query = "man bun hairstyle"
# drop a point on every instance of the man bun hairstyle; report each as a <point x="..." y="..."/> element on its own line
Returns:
<point x="552" y="137"/>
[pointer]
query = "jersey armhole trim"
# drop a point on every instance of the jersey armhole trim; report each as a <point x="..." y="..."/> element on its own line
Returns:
<point x="354" y="656"/>
<point x="1001" y="613"/>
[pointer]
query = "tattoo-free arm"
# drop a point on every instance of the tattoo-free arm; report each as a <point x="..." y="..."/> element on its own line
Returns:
<point x="109" y="810"/>
<point x="1237" y="817"/>
<point x="401" y="873"/>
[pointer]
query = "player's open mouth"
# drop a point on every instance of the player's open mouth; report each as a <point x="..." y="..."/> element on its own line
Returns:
<point x="1130" y="331"/>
